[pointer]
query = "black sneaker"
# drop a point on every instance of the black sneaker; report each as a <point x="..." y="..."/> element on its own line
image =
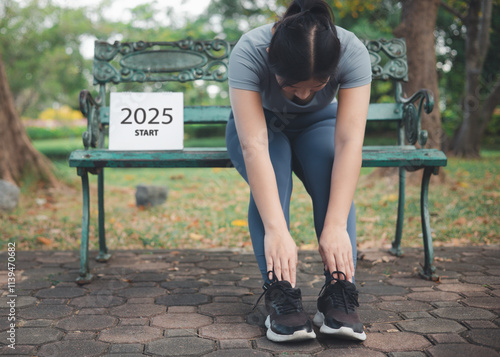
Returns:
<point x="286" y="320"/>
<point x="337" y="313"/>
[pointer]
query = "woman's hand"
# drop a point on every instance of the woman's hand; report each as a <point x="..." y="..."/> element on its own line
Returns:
<point x="281" y="255"/>
<point x="336" y="251"/>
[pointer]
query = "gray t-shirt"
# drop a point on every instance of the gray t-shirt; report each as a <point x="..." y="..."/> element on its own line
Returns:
<point x="249" y="70"/>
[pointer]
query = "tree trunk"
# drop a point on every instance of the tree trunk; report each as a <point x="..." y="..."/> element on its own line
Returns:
<point x="17" y="154"/>
<point x="467" y="139"/>
<point x="418" y="22"/>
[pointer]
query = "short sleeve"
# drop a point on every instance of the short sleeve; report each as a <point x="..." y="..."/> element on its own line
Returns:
<point x="243" y="67"/>
<point x="355" y="67"/>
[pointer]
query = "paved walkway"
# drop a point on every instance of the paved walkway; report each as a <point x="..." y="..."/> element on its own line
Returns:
<point x="199" y="303"/>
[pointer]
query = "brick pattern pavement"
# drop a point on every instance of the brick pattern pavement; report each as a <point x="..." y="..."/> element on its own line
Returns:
<point x="199" y="303"/>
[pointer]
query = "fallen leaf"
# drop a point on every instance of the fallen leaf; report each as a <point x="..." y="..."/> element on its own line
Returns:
<point x="460" y="221"/>
<point x="440" y="259"/>
<point x="239" y="223"/>
<point x="195" y="236"/>
<point x="44" y="241"/>
<point x="393" y="197"/>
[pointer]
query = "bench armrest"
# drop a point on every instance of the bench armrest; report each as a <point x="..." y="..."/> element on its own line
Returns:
<point x="423" y="99"/>
<point x="90" y="109"/>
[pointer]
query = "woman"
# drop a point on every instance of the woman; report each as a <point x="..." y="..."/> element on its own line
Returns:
<point x="283" y="80"/>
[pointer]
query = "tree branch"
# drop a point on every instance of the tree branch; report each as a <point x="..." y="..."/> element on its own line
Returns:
<point x="484" y="27"/>
<point x="452" y="11"/>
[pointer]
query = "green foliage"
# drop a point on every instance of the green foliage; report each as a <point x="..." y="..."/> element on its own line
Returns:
<point x="40" y="44"/>
<point x="40" y="133"/>
<point x="451" y="65"/>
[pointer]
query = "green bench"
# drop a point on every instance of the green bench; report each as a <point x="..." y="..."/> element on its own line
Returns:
<point x="188" y="60"/>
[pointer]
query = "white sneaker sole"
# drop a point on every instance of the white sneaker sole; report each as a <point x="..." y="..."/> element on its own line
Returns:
<point x="296" y="336"/>
<point x="343" y="332"/>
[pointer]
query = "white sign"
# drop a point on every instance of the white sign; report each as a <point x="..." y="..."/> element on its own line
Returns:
<point x="146" y="121"/>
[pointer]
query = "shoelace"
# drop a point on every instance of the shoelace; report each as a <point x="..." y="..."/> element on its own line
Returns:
<point x="349" y="298"/>
<point x="291" y="302"/>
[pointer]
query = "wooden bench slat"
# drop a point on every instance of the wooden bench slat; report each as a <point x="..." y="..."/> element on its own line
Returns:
<point x="390" y="156"/>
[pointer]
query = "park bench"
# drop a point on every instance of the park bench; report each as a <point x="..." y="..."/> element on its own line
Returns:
<point x="190" y="60"/>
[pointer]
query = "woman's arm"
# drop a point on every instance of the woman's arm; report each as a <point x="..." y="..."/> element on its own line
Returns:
<point x="280" y="249"/>
<point x="334" y="246"/>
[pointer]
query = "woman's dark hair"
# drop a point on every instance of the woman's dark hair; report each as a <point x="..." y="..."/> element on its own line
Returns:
<point x="305" y="44"/>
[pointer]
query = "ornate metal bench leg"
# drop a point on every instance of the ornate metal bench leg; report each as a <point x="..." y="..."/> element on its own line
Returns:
<point x="396" y="243"/>
<point x="103" y="255"/>
<point x="85" y="276"/>
<point x="428" y="270"/>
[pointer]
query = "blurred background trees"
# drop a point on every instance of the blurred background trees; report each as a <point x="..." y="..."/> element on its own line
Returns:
<point x="46" y="50"/>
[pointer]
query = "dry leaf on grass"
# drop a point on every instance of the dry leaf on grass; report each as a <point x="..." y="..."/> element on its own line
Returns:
<point x="44" y="241"/>
<point x="239" y="223"/>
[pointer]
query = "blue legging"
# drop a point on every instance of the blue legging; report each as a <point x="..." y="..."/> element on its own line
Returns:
<point x="300" y="143"/>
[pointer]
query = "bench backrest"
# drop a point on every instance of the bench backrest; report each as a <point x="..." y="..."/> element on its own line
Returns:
<point x="190" y="60"/>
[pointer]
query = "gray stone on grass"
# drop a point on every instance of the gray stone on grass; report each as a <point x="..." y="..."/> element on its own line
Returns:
<point x="9" y="196"/>
<point x="147" y="195"/>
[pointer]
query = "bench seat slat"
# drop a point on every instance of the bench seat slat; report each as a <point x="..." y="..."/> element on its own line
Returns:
<point x="389" y="156"/>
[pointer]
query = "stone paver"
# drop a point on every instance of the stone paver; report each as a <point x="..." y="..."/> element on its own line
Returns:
<point x="68" y="292"/>
<point x="431" y="325"/>
<point x="431" y="296"/>
<point x="351" y="352"/>
<point x="231" y="331"/>
<point x="486" y="302"/>
<point x="137" y="310"/>
<point x="34" y="335"/>
<point x="21" y="301"/>
<point x="182" y="299"/>
<point x="180" y="346"/>
<point x="404" y="305"/>
<point x="87" y="323"/>
<point x="306" y="347"/>
<point x="130" y="334"/>
<point x="486" y="337"/>
<point x="463" y="313"/>
<point x="45" y="312"/>
<point x="221" y="309"/>
<point x="181" y="321"/>
<point x="72" y="348"/>
<point x="200" y="303"/>
<point x="100" y="300"/>
<point x="396" y="342"/>
<point x="239" y="353"/>
<point x="141" y="292"/>
<point x="461" y="350"/>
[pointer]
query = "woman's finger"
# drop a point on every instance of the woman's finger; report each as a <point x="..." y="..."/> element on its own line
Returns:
<point x="270" y="270"/>
<point x="285" y="270"/>
<point x="277" y="270"/>
<point x="293" y="273"/>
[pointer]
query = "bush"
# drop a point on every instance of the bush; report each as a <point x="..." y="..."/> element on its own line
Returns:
<point x="39" y="133"/>
<point x="204" y="131"/>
